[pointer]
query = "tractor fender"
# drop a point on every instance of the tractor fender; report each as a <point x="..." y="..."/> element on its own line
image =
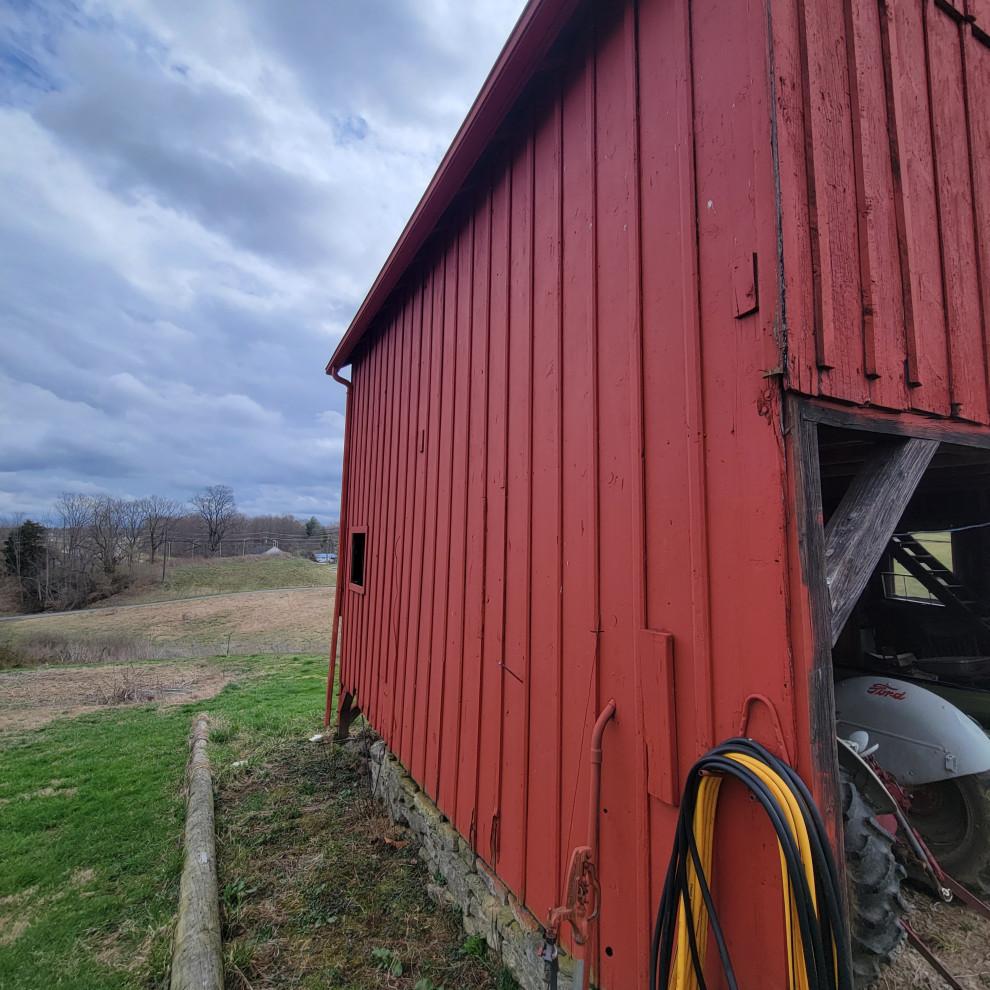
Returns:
<point x="922" y="738"/>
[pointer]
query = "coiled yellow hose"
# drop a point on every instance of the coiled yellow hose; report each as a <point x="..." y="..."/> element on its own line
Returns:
<point x="814" y="924"/>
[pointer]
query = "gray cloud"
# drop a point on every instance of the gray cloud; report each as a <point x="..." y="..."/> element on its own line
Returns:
<point x="150" y="129"/>
<point x="193" y="200"/>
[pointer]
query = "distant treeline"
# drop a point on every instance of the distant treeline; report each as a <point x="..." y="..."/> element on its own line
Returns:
<point x="88" y="546"/>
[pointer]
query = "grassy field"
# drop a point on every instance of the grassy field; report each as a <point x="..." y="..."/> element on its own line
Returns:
<point x="313" y="892"/>
<point x="279" y="622"/>
<point x="232" y="574"/>
<point x="92" y="817"/>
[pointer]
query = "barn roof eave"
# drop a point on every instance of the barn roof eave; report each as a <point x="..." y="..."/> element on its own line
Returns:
<point x="536" y="30"/>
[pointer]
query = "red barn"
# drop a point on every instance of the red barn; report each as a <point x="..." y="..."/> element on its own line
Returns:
<point x="687" y="270"/>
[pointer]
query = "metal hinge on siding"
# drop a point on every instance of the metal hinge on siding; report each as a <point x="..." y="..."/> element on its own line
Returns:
<point x="494" y="840"/>
<point x="745" y="292"/>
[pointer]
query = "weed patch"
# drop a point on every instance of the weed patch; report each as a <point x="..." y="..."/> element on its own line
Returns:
<point x="321" y="890"/>
<point x="49" y="647"/>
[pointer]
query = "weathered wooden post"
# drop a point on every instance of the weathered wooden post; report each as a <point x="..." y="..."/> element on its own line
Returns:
<point x="197" y="962"/>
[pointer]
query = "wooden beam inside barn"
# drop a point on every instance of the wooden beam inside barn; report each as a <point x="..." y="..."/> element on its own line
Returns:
<point x="865" y="520"/>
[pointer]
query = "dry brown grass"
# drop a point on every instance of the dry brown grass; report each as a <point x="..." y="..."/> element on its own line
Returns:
<point x="278" y="622"/>
<point x="30" y="699"/>
<point x="959" y="938"/>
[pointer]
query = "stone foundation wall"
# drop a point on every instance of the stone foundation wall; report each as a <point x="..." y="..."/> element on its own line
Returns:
<point x="487" y="906"/>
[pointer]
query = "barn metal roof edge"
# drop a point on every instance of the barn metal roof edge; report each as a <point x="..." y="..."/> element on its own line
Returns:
<point x="535" y="31"/>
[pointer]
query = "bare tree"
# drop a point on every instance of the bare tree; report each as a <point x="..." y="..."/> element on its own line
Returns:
<point x="217" y="508"/>
<point x="132" y="526"/>
<point x="72" y="512"/>
<point x="159" y="513"/>
<point x="71" y="515"/>
<point x="107" y="531"/>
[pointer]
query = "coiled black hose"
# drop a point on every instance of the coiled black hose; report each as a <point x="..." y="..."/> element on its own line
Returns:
<point x="818" y="939"/>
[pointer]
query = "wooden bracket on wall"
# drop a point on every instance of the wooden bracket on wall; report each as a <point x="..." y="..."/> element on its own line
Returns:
<point x="656" y="672"/>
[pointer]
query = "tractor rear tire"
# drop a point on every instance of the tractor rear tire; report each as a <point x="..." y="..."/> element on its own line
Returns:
<point x="953" y="817"/>
<point x="873" y="887"/>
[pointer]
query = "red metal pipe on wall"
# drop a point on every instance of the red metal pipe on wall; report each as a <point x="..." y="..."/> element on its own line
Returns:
<point x="608" y="712"/>
<point x="582" y="898"/>
<point x="333" y="372"/>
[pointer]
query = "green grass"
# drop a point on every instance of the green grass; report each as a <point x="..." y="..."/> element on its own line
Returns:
<point x="220" y="577"/>
<point x="91" y="816"/>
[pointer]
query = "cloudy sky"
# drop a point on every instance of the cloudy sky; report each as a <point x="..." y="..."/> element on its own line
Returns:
<point x="194" y="199"/>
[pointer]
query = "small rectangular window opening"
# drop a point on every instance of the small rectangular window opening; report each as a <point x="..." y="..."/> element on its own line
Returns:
<point x="356" y="566"/>
<point x="898" y="583"/>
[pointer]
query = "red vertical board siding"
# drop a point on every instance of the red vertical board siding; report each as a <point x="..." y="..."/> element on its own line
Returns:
<point x="516" y="657"/>
<point x="361" y="518"/>
<point x="636" y="756"/>
<point x="373" y="553"/>
<point x="839" y="318"/>
<point x="412" y="690"/>
<point x="743" y="444"/>
<point x="350" y="645"/>
<point x="883" y="308"/>
<point x="676" y="558"/>
<point x="490" y="742"/>
<point x="977" y="62"/>
<point x="907" y="329"/>
<point x="400" y="493"/>
<point x="466" y="810"/>
<point x="967" y="359"/>
<point x="386" y="522"/>
<point x="372" y="569"/>
<point x="378" y="578"/>
<point x="441" y="545"/>
<point x="455" y="603"/>
<point x="364" y="683"/>
<point x="432" y="329"/>
<point x="979" y="11"/>
<point x="350" y="649"/>
<point x="578" y="451"/>
<point x="405" y="547"/>
<point x="795" y="303"/>
<point x="544" y="758"/>
<point x="619" y="557"/>
<point x="437" y="536"/>
<point x="927" y="354"/>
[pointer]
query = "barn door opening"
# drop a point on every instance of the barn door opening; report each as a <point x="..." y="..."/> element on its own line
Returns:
<point x="905" y="530"/>
<point x="895" y="542"/>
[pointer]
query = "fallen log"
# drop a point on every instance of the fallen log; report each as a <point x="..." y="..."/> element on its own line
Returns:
<point x="197" y="960"/>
